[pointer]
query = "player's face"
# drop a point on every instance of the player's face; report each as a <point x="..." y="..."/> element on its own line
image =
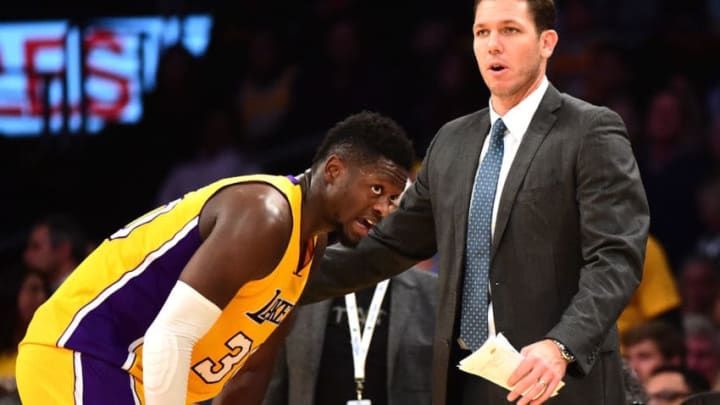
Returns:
<point x="369" y="193"/>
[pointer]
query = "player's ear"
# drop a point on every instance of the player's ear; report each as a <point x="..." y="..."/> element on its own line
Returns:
<point x="334" y="167"/>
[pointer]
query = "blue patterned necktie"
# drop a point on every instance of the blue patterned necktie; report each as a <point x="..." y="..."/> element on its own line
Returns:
<point x="474" y="312"/>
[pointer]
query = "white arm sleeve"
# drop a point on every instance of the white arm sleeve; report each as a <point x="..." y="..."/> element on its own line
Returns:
<point x="167" y="348"/>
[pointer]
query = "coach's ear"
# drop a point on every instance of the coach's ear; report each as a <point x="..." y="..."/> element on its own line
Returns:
<point x="548" y="40"/>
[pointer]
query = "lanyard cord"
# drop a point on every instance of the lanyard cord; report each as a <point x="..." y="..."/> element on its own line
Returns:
<point x="361" y="343"/>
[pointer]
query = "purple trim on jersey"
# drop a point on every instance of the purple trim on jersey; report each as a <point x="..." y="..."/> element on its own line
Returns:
<point x="105" y="384"/>
<point x="108" y="330"/>
<point x="293" y="179"/>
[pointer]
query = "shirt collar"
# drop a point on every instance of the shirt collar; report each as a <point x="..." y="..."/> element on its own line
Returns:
<point x="517" y="119"/>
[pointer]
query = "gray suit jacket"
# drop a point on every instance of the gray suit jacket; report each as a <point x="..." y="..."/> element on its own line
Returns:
<point x="567" y="250"/>
<point x="409" y="354"/>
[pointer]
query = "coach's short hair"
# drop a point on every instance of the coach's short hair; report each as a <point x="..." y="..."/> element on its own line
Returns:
<point x="543" y="13"/>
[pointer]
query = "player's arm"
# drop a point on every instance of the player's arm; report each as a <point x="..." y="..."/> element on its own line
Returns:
<point x="245" y="231"/>
<point x="264" y="369"/>
<point x="250" y="384"/>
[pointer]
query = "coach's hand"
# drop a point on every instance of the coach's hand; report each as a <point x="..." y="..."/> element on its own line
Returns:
<point x="537" y="376"/>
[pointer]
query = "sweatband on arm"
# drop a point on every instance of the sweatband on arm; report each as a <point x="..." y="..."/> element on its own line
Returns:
<point x="167" y="348"/>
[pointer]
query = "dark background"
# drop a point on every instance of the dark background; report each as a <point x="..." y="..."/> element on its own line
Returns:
<point x="655" y="62"/>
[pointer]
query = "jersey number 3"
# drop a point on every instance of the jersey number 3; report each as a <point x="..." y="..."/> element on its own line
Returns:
<point x="212" y="372"/>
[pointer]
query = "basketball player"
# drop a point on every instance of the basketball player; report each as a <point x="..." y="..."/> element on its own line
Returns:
<point x="168" y="308"/>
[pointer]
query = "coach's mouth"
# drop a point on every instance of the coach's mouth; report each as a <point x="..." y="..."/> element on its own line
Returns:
<point x="497" y="68"/>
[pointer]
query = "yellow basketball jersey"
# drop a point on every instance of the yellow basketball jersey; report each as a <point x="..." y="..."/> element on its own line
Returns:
<point x="104" y="308"/>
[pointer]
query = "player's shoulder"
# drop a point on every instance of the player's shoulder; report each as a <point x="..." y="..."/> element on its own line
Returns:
<point x="258" y="205"/>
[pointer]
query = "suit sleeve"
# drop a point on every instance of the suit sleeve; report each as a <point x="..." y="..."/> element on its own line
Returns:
<point x="614" y="221"/>
<point x="405" y="237"/>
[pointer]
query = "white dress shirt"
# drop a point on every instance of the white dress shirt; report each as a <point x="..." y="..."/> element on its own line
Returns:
<point x="517" y="120"/>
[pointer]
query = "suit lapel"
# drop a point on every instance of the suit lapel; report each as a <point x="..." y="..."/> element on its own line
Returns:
<point x="542" y="122"/>
<point x="304" y="349"/>
<point x="402" y="290"/>
<point x="468" y="162"/>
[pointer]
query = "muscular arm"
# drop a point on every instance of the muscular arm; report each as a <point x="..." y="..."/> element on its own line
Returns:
<point x="246" y="230"/>
<point x="232" y="224"/>
<point x="249" y="385"/>
<point x="265" y="376"/>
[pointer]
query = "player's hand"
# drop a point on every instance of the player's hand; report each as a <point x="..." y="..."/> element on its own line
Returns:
<point x="537" y="376"/>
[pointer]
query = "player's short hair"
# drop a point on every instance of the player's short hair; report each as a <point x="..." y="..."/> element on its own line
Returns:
<point x="366" y="137"/>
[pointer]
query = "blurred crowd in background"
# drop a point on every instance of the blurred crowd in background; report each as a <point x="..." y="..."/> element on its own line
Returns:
<point x="276" y="75"/>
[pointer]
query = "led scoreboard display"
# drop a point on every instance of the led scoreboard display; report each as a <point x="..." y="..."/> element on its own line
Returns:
<point x="48" y="86"/>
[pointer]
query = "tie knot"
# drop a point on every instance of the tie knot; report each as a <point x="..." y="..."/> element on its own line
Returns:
<point x="498" y="130"/>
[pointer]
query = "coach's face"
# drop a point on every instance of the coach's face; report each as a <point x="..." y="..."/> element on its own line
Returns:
<point x="509" y="51"/>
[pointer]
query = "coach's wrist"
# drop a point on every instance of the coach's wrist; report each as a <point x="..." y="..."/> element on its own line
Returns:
<point x="565" y="353"/>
